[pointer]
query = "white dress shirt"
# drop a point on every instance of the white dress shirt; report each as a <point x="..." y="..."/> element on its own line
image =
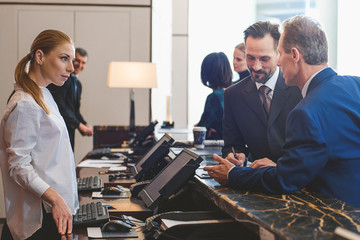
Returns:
<point x="35" y="154"/>
<point x="271" y="83"/>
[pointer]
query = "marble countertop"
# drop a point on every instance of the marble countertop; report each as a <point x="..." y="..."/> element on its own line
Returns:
<point x="301" y="215"/>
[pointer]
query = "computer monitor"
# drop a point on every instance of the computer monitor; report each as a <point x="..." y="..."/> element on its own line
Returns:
<point x="171" y="178"/>
<point x="153" y="161"/>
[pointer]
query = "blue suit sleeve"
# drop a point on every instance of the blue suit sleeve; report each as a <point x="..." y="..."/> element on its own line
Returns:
<point x="305" y="155"/>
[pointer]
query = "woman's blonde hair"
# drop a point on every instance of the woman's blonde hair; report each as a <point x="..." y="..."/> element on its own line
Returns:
<point x="46" y="41"/>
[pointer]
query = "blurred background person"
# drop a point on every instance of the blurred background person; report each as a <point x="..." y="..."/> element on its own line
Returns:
<point x="239" y="62"/>
<point x="216" y="74"/>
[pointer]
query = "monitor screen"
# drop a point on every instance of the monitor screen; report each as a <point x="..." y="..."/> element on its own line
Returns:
<point x="151" y="158"/>
<point x="171" y="178"/>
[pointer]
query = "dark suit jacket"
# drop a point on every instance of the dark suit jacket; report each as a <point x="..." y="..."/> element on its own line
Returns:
<point x="245" y="124"/>
<point x="322" y="149"/>
<point x="69" y="105"/>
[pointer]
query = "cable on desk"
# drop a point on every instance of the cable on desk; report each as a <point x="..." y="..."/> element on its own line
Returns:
<point x="136" y="223"/>
<point x="132" y="220"/>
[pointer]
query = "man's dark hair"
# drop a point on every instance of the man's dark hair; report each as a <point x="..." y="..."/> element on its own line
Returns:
<point x="81" y="51"/>
<point x="260" y="29"/>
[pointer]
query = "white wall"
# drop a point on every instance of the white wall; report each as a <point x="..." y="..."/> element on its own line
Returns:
<point x="348" y="37"/>
<point x="218" y="27"/>
<point x="329" y="21"/>
<point x="180" y="40"/>
<point x="161" y="56"/>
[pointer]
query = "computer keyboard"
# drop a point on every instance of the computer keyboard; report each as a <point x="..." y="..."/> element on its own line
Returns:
<point x="93" y="214"/>
<point x="89" y="184"/>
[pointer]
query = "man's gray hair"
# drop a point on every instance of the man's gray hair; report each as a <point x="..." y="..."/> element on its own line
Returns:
<point x="308" y="36"/>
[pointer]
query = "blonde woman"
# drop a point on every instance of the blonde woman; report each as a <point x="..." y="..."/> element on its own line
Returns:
<point x="36" y="158"/>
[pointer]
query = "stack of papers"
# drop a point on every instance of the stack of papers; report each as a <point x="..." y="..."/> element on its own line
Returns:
<point x="115" y="164"/>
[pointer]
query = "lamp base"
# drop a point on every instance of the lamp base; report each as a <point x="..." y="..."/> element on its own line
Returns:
<point x="132" y="130"/>
<point x="167" y="124"/>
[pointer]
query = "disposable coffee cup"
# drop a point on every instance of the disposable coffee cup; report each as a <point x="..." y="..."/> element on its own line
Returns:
<point x="199" y="136"/>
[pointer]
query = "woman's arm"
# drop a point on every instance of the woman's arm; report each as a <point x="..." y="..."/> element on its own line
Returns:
<point x="60" y="211"/>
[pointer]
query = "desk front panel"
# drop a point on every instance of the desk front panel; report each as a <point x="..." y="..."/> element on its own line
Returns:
<point x="301" y="215"/>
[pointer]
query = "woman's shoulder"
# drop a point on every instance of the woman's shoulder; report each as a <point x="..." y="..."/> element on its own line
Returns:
<point x="219" y="93"/>
<point x="21" y="99"/>
<point x="21" y="96"/>
<point x="216" y="95"/>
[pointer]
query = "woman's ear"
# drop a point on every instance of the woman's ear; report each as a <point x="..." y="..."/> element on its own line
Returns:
<point x="39" y="57"/>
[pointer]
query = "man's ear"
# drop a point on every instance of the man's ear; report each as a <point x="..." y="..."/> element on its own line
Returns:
<point x="295" y="54"/>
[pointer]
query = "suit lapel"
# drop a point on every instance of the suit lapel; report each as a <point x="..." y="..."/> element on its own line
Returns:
<point x="279" y="98"/>
<point x="252" y="99"/>
<point x="322" y="76"/>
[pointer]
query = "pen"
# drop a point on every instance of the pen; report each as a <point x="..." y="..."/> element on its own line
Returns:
<point x="245" y="162"/>
<point x="233" y="151"/>
<point x="107" y="172"/>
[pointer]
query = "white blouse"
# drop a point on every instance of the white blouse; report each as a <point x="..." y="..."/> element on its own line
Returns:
<point x="35" y="154"/>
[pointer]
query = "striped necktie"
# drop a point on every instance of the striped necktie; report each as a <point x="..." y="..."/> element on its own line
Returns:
<point x="265" y="98"/>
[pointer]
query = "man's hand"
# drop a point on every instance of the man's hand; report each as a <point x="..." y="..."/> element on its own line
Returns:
<point x="90" y="128"/>
<point x="263" y="162"/>
<point x="238" y="161"/>
<point x="86" y="130"/>
<point x="219" y="172"/>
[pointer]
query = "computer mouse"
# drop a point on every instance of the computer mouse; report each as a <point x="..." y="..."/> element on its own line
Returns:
<point x="116" y="226"/>
<point x="112" y="191"/>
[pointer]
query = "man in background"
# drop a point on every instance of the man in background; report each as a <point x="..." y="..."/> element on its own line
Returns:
<point x="322" y="132"/>
<point x="255" y="126"/>
<point x="68" y="98"/>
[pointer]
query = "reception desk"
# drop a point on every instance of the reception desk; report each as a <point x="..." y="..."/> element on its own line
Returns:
<point x="301" y="215"/>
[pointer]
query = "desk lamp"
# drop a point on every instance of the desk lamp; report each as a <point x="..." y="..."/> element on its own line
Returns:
<point x="132" y="75"/>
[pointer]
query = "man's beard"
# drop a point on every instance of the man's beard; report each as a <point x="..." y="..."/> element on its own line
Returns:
<point x="263" y="79"/>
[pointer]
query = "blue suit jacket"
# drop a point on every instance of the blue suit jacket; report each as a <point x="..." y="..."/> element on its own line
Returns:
<point x="322" y="149"/>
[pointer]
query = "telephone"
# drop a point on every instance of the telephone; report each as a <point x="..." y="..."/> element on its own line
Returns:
<point x="182" y="223"/>
<point x="137" y="187"/>
<point x="151" y="222"/>
<point x="144" y="138"/>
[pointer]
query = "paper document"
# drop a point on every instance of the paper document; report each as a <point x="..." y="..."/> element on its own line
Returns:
<point x="121" y="168"/>
<point x="101" y="163"/>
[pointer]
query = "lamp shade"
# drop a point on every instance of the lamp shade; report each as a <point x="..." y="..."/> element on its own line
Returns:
<point x="132" y="75"/>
